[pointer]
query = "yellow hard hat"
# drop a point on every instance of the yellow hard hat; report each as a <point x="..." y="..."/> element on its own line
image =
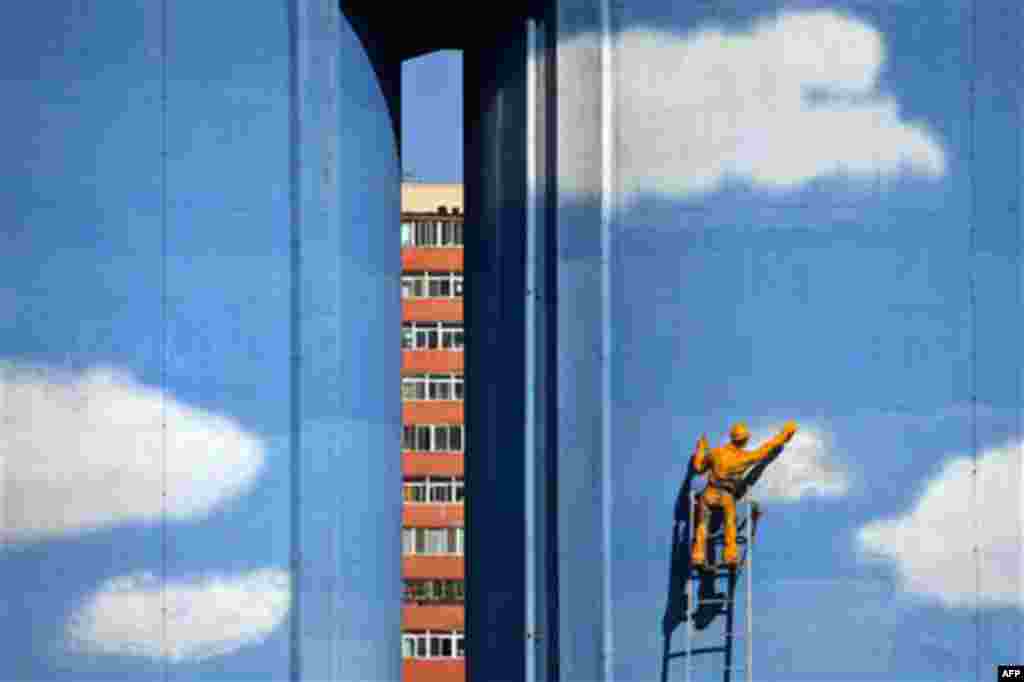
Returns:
<point x="739" y="433"/>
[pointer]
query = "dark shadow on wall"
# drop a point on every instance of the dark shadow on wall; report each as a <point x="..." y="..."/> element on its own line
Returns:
<point x="675" y="609"/>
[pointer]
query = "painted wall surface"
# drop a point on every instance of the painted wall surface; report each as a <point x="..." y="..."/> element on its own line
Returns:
<point x="194" y="399"/>
<point x="765" y="211"/>
<point x="794" y="210"/>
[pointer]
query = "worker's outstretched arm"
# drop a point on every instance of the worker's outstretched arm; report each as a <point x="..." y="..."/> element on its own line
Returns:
<point x="768" y="448"/>
<point x="701" y="461"/>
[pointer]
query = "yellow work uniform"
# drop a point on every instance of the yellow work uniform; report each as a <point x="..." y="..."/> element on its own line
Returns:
<point x="725" y="467"/>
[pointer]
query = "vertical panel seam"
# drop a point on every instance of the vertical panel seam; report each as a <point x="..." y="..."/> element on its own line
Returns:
<point x="1017" y="206"/>
<point x="328" y="179"/>
<point x="552" y="427"/>
<point x="530" y="380"/>
<point x="972" y="219"/>
<point x="163" y="339"/>
<point x="295" y="341"/>
<point x="607" y="197"/>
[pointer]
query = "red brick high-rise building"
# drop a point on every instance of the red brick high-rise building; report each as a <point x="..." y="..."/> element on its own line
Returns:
<point x="433" y="433"/>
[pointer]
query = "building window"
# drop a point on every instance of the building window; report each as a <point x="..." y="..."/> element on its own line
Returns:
<point x="439" y="287"/>
<point x="429" y="644"/>
<point x="441" y="439"/>
<point x="426" y="233"/>
<point x="438" y="388"/>
<point x="419" y="541"/>
<point x="432" y="437"/>
<point x="434" y="490"/>
<point x="429" y="337"/>
<point x="453" y="336"/>
<point x="432" y="233"/>
<point x="435" y="591"/>
<point x="414" y="388"/>
<point x="414" y="490"/>
<point x="456" y="440"/>
<point x="441" y="491"/>
<point x="432" y="285"/>
<point x="433" y="387"/>
<point x="451" y="233"/>
<point x="433" y="335"/>
<point x="407" y="541"/>
<point x="433" y="541"/>
<point x="442" y="647"/>
<point x="437" y="541"/>
<point x="414" y="285"/>
<point x="409" y="646"/>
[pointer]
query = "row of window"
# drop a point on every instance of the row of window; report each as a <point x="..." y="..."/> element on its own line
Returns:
<point x="433" y="335"/>
<point x="433" y="541"/>
<point x="433" y="437"/>
<point x="435" y="590"/>
<point x="432" y="285"/>
<point x="435" y="490"/>
<point x="433" y="387"/>
<point x="449" y="644"/>
<point x="432" y="233"/>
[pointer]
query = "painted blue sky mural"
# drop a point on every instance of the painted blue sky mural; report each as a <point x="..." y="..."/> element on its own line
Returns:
<point x="94" y="361"/>
<point x="795" y="189"/>
<point x="805" y="199"/>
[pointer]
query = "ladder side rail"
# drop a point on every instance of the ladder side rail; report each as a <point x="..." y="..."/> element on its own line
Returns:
<point x="749" y="643"/>
<point x="729" y="623"/>
<point x="690" y="604"/>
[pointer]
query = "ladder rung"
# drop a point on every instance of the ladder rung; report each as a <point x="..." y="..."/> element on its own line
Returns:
<point x="702" y="650"/>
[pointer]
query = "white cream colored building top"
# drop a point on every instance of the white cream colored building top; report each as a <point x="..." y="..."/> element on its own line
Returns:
<point x="426" y="197"/>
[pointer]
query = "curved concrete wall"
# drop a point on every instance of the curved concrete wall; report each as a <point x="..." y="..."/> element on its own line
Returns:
<point x="199" y="380"/>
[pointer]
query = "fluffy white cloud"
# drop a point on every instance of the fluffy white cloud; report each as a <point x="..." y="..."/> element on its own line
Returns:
<point x="86" y="451"/>
<point x="793" y="99"/>
<point x="206" y="616"/>
<point x="932" y="545"/>
<point x="804" y="469"/>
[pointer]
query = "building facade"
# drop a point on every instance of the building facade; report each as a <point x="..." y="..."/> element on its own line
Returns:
<point x="433" y="434"/>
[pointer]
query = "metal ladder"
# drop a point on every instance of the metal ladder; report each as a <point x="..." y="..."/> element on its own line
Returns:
<point x="745" y="538"/>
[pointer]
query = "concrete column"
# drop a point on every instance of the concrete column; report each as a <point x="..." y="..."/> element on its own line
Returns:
<point x="346" y="415"/>
<point x="495" y="186"/>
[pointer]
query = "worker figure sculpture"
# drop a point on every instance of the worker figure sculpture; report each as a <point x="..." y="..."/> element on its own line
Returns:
<point x="725" y="467"/>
